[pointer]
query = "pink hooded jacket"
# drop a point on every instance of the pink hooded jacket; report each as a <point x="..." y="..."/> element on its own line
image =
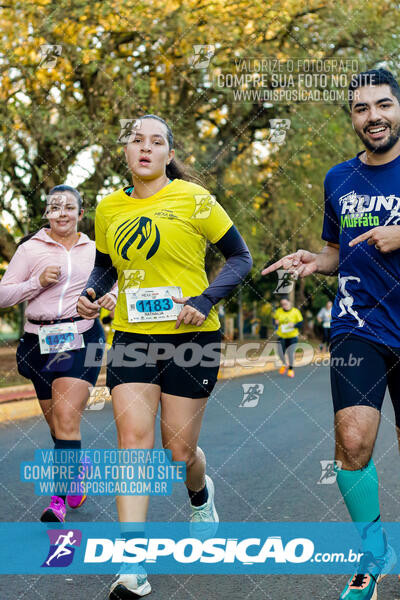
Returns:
<point x="57" y="300"/>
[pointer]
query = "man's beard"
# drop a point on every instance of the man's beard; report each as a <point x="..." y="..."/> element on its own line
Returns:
<point x="386" y="146"/>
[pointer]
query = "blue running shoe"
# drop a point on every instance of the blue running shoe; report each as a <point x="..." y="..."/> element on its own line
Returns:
<point x="371" y="570"/>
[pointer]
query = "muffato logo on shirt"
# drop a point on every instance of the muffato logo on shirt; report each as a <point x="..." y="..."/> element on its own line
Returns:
<point x="358" y="204"/>
<point x="357" y="209"/>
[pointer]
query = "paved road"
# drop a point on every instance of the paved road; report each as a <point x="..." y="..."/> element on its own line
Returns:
<point x="265" y="462"/>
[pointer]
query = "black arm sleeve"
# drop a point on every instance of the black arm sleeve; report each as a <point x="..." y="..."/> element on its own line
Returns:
<point x="102" y="277"/>
<point x="238" y="264"/>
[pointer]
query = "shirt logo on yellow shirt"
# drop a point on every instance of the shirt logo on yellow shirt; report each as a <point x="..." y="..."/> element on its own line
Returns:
<point x="165" y="214"/>
<point x="129" y="231"/>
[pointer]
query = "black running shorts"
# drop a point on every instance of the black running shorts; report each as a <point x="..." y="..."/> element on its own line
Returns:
<point x="43" y="369"/>
<point x="361" y="370"/>
<point x="182" y="364"/>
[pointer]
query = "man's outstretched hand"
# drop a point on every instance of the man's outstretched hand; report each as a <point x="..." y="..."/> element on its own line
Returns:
<point x="302" y="263"/>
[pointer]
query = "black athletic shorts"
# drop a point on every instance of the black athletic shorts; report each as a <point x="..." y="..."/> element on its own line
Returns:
<point x="287" y="349"/>
<point x="43" y="369"/>
<point x="182" y="364"/>
<point x="361" y="370"/>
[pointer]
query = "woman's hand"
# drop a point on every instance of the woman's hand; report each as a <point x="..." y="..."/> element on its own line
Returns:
<point x="108" y="301"/>
<point x="49" y="275"/>
<point x="87" y="309"/>
<point x="188" y="314"/>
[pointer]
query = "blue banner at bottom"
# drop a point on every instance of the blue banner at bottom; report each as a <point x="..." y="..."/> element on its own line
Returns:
<point x="173" y="548"/>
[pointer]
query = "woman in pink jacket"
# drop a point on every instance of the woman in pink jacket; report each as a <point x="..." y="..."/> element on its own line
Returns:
<point x="49" y="270"/>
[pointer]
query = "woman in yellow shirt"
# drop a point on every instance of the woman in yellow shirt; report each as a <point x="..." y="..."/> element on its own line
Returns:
<point x="287" y="320"/>
<point x="152" y="236"/>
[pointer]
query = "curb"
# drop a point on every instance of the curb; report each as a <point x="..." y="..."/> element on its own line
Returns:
<point x="20" y="402"/>
<point x="18" y="393"/>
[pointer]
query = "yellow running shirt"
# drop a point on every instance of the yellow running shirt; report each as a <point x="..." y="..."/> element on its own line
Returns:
<point x="287" y="320"/>
<point x="160" y="241"/>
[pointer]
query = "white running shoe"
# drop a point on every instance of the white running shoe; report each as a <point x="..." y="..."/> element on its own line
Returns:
<point x="129" y="586"/>
<point x="204" y="519"/>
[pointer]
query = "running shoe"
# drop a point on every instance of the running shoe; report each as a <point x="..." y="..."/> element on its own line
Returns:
<point x="364" y="584"/>
<point x="129" y="586"/>
<point x="282" y="370"/>
<point x="290" y="373"/>
<point x="204" y="519"/>
<point x="56" y="511"/>
<point x="76" y="500"/>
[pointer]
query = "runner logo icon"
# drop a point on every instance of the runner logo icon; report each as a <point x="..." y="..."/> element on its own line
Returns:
<point x="329" y="471"/>
<point x="62" y="547"/>
<point x="251" y="394"/>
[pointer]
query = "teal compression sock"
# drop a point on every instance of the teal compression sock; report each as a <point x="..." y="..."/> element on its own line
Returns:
<point x="361" y="494"/>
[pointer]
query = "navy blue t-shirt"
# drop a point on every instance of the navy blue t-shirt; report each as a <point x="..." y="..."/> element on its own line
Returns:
<point x="359" y="197"/>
